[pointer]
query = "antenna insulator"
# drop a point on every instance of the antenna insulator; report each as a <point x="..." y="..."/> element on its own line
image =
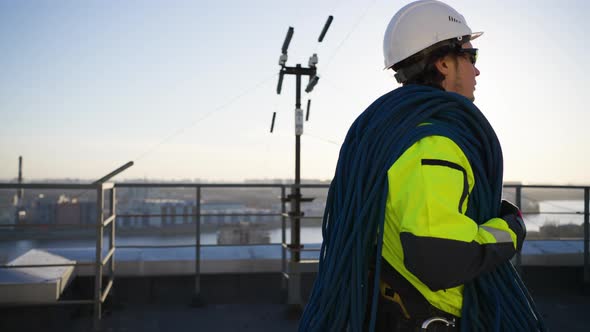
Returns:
<point x="283" y="60"/>
<point x="313" y="60"/>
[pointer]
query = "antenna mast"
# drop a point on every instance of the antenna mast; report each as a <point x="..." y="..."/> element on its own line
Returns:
<point x="295" y="197"/>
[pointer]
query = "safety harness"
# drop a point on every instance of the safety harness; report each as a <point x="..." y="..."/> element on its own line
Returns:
<point x="353" y="219"/>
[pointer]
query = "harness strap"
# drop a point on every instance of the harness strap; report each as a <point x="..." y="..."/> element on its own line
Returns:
<point x="389" y="294"/>
<point x="402" y="308"/>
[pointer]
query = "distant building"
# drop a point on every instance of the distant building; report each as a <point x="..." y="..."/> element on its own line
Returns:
<point x="243" y="233"/>
<point x="41" y="211"/>
<point x="165" y="212"/>
<point x="57" y="211"/>
<point x="68" y="213"/>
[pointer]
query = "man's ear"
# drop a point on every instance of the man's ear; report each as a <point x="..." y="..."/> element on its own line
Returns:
<point x="443" y="65"/>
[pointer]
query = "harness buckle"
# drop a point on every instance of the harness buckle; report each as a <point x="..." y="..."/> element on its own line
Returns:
<point x="447" y="322"/>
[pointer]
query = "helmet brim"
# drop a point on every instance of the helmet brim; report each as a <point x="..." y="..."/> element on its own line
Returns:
<point x="476" y="35"/>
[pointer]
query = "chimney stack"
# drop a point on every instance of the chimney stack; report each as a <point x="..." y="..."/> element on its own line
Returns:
<point x="20" y="191"/>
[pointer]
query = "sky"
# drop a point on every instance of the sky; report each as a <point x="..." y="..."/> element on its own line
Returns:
<point x="187" y="89"/>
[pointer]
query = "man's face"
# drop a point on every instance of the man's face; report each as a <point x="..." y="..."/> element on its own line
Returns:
<point x="461" y="73"/>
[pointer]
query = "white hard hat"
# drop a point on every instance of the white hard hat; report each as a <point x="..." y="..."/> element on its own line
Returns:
<point x="419" y="25"/>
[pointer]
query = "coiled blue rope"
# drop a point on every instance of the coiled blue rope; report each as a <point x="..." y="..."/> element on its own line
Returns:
<point x="353" y="220"/>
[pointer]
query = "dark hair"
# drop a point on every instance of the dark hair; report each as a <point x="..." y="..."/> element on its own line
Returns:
<point x="430" y="75"/>
<point x="424" y="71"/>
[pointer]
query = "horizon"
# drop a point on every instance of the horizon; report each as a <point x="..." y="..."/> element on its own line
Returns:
<point x="287" y="180"/>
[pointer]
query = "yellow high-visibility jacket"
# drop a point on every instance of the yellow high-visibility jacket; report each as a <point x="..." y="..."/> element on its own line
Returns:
<point x="427" y="237"/>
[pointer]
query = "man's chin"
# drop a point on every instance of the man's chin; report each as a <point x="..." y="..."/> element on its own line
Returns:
<point x="469" y="96"/>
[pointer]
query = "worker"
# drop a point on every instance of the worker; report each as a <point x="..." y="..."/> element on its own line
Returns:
<point x="415" y="212"/>
<point x="431" y="245"/>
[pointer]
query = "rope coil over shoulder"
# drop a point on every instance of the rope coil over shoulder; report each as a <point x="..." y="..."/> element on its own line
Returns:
<point x="353" y="219"/>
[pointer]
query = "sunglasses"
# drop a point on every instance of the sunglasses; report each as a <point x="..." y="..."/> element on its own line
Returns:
<point x="470" y="52"/>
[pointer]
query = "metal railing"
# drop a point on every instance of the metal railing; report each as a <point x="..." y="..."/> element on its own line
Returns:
<point x="583" y="190"/>
<point x="290" y="281"/>
<point x="286" y="246"/>
<point x="198" y="188"/>
<point x="100" y="295"/>
<point x="102" y="223"/>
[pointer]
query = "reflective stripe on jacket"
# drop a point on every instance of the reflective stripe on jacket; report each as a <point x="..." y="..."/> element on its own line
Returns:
<point x="428" y="237"/>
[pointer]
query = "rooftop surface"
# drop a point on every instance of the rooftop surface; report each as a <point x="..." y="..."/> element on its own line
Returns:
<point x="250" y="302"/>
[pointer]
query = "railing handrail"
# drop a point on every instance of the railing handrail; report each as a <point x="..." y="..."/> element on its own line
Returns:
<point x="47" y="185"/>
<point x="66" y="185"/>
<point x="546" y="186"/>
<point x="197" y="185"/>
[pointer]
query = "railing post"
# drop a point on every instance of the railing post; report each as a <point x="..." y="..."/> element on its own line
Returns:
<point x="197" y="300"/>
<point x="294" y="283"/>
<point x="283" y="239"/>
<point x="586" y="240"/>
<point x="98" y="256"/>
<point x="113" y="208"/>
<point x="519" y="204"/>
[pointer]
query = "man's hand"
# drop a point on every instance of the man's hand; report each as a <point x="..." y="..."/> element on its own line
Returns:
<point x="513" y="217"/>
